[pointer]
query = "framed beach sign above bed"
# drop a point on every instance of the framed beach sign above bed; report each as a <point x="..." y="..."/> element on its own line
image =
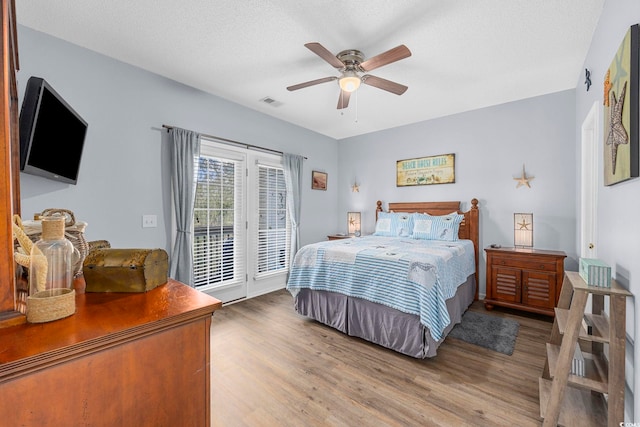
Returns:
<point x="426" y="170"/>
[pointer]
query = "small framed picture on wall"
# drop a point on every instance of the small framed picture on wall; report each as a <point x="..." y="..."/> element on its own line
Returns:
<point x="318" y="180"/>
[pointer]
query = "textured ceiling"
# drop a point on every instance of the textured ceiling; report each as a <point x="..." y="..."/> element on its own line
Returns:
<point x="466" y="54"/>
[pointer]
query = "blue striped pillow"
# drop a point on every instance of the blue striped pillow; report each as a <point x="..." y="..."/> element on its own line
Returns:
<point x="394" y="224"/>
<point x="430" y="227"/>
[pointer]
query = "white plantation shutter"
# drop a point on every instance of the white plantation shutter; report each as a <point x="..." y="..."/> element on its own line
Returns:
<point x="273" y="229"/>
<point x="219" y="226"/>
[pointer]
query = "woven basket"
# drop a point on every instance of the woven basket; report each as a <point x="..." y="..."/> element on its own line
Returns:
<point x="73" y="230"/>
<point x="51" y="305"/>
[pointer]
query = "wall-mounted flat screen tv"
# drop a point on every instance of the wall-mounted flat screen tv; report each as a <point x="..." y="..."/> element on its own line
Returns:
<point x="52" y="134"/>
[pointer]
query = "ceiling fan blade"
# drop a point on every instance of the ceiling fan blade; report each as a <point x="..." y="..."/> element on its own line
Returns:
<point x="343" y="99"/>
<point x="385" y="58"/>
<point x="311" y="83"/>
<point x="323" y="53"/>
<point x="384" y="84"/>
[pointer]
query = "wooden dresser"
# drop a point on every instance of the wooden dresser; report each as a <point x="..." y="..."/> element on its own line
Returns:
<point x="525" y="279"/>
<point x="134" y="359"/>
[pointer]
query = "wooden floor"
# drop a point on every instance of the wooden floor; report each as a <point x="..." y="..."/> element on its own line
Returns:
<point x="273" y="367"/>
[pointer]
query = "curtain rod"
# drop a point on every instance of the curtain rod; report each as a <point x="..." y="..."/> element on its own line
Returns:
<point x="231" y="141"/>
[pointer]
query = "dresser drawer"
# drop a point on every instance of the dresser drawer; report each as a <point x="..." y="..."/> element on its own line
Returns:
<point x="529" y="263"/>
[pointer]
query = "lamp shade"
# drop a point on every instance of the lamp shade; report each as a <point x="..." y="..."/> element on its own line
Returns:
<point x="523" y="230"/>
<point x="353" y="223"/>
<point x="349" y="81"/>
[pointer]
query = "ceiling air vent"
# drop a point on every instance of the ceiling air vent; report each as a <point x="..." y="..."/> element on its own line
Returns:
<point x="270" y="101"/>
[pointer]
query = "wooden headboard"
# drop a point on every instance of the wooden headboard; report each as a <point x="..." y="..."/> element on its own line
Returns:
<point x="469" y="227"/>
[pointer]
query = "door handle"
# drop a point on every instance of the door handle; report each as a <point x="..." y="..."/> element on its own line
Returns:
<point x="591" y="245"/>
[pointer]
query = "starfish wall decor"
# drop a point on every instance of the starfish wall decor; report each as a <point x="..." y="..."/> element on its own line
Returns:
<point x="621" y="128"/>
<point x="617" y="133"/>
<point x="524" y="179"/>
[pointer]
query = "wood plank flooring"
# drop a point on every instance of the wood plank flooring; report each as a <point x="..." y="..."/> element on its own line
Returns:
<point x="273" y="367"/>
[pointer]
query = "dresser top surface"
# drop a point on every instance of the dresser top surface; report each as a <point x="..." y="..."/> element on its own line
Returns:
<point x="525" y="251"/>
<point x="105" y="317"/>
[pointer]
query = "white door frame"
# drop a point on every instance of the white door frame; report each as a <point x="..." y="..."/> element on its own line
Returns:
<point x="247" y="283"/>
<point x="590" y="141"/>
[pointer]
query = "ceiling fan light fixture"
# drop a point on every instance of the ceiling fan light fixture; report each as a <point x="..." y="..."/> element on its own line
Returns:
<point x="351" y="64"/>
<point x="349" y="82"/>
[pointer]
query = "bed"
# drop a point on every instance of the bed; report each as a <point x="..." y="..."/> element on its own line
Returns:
<point x="404" y="287"/>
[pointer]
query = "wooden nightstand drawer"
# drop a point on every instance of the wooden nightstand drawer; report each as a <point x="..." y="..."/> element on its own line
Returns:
<point x="539" y="264"/>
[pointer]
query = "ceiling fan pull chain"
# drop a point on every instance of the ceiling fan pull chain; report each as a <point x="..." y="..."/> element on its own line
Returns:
<point x="356" y="107"/>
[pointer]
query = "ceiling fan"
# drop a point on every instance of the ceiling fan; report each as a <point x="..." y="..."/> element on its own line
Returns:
<point x="352" y="65"/>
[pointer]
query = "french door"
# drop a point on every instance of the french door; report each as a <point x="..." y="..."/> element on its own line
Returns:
<point x="241" y="227"/>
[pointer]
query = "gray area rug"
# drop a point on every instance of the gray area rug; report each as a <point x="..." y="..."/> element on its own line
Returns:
<point x="492" y="332"/>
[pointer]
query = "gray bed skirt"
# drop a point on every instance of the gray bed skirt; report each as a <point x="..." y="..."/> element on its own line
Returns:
<point x="380" y="324"/>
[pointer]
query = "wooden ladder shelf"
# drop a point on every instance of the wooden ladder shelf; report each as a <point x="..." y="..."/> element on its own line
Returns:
<point x="568" y="399"/>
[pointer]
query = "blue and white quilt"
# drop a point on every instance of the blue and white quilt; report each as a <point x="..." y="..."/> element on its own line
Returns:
<point x="411" y="275"/>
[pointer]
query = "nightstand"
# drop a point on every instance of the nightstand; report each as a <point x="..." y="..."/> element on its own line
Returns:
<point x="524" y="279"/>
<point x="338" y="236"/>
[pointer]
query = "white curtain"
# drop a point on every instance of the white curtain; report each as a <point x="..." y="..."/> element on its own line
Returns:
<point x="185" y="150"/>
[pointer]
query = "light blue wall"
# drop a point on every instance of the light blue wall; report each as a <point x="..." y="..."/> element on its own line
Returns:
<point x="490" y="146"/>
<point x="123" y="174"/>
<point x="618" y="234"/>
<point x="124" y="170"/>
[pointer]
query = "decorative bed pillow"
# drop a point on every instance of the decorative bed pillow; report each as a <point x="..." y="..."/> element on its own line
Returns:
<point x="429" y="227"/>
<point x="394" y="224"/>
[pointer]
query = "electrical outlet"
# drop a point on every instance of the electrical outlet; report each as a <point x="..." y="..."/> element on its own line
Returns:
<point x="149" y="221"/>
